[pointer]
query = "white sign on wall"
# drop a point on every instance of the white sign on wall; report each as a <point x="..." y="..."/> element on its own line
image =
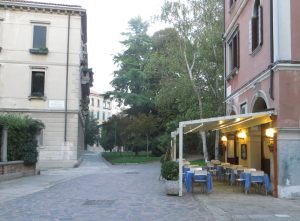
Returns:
<point x="57" y="104"/>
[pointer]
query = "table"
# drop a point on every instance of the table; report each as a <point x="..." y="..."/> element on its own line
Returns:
<point x="189" y="181"/>
<point x="248" y="178"/>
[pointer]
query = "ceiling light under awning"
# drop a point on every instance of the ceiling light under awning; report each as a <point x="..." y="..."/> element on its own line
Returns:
<point x="227" y="123"/>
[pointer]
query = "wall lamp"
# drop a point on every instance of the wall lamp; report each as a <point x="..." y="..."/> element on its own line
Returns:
<point x="242" y="134"/>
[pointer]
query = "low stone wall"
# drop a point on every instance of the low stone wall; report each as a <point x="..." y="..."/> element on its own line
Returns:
<point x="15" y="169"/>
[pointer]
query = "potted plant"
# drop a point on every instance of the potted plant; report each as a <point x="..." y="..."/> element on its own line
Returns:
<point x="170" y="173"/>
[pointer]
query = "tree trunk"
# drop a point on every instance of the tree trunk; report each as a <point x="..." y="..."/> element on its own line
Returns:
<point x="204" y="146"/>
<point x="217" y="144"/>
<point x="147" y="146"/>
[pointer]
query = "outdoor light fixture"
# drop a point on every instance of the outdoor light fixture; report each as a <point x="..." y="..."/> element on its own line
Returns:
<point x="224" y="138"/>
<point x="242" y="134"/>
<point x="270" y="132"/>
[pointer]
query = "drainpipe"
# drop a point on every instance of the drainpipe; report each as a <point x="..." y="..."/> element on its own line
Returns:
<point x="67" y="78"/>
<point x="271" y="91"/>
<point x="225" y="94"/>
<point x="275" y="153"/>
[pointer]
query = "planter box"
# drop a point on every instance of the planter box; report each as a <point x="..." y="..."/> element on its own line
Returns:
<point x="42" y="51"/>
<point x="172" y="187"/>
<point x="15" y="169"/>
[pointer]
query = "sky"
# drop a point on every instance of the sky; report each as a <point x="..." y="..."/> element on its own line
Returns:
<point x="107" y="19"/>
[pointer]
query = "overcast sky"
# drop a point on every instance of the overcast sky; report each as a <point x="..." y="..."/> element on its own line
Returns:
<point x="106" y="20"/>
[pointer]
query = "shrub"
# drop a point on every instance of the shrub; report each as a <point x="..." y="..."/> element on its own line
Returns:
<point x="30" y="153"/>
<point x="21" y="142"/>
<point x="170" y="170"/>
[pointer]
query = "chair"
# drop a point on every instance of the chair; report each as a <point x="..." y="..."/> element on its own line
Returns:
<point x="257" y="179"/>
<point x="200" y="176"/>
<point x="239" y="181"/>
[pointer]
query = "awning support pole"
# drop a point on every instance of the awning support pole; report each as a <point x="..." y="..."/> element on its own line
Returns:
<point x="180" y="157"/>
<point x="174" y="147"/>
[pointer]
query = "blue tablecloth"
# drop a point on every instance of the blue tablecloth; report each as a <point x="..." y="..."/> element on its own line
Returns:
<point x="189" y="181"/>
<point x="248" y="178"/>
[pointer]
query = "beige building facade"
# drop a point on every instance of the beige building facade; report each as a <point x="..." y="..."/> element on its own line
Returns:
<point x="100" y="108"/>
<point x="42" y="54"/>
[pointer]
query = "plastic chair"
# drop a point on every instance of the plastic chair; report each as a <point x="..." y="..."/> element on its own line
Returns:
<point x="200" y="176"/>
<point x="257" y="179"/>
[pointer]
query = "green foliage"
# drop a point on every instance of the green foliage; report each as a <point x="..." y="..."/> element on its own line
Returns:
<point x="128" y="157"/>
<point x="22" y="132"/>
<point x="170" y="170"/>
<point x="172" y="76"/>
<point x="29" y="152"/>
<point x="91" y="134"/>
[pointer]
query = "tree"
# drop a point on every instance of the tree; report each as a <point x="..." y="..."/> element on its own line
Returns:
<point x="128" y="80"/>
<point x="143" y="125"/>
<point x="199" y="23"/>
<point x="91" y="132"/>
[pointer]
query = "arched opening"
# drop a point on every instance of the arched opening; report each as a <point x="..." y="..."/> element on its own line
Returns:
<point x="259" y="105"/>
<point x="232" y="112"/>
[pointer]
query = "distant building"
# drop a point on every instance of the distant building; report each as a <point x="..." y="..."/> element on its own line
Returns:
<point x="44" y="74"/>
<point x="100" y="108"/>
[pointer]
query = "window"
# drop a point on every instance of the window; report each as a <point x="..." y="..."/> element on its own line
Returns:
<point x="243" y="108"/>
<point x="103" y="117"/>
<point x="39" y="36"/>
<point x="234" y="52"/>
<point x="92" y="102"/>
<point x="98" y="115"/>
<point x="231" y="2"/>
<point x="108" y="104"/>
<point x="37" y="83"/>
<point x="256" y="27"/>
<point x="98" y="103"/>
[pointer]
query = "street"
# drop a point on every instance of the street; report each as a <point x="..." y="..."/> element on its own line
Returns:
<point x="99" y="191"/>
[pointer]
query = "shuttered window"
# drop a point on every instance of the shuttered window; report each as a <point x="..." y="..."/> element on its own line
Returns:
<point x="256" y="28"/>
<point x="39" y="36"/>
<point x="234" y="52"/>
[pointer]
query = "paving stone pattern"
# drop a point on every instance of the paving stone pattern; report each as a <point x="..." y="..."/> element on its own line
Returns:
<point x="98" y="191"/>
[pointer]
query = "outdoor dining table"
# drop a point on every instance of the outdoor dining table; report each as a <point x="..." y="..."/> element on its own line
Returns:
<point x="189" y="181"/>
<point x="248" y="178"/>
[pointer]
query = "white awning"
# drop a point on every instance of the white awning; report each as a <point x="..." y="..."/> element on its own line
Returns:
<point x="227" y="123"/>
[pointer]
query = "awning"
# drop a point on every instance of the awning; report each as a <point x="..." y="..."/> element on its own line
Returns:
<point x="227" y="123"/>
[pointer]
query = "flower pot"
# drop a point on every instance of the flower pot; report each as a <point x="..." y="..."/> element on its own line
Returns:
<point x="172" y="187"/>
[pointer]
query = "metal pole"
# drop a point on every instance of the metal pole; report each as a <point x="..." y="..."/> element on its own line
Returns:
<point x="180" y="157"/>
<point x="67" y="79"/>
<point x="4" y="144"/>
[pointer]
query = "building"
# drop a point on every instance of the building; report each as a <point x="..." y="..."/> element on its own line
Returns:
<point x="261" y="129"/>
<point x="99" y="107"/>
<point x="44" y="74"/>
<point x="262" y="63"/>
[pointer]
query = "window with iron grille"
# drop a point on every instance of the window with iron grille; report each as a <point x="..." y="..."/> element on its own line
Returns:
<point x="37" y="83"/>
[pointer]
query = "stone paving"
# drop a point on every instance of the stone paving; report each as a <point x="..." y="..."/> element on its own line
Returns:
<point x="98" y="191"/>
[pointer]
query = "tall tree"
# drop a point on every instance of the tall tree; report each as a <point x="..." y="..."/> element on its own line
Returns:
<point x="91" y="133"/>
<point x="199" y="23"/>
<point x="128" y="80"/>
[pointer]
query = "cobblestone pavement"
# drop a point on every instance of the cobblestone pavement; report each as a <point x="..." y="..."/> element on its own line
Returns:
<point x="98" y="191"/>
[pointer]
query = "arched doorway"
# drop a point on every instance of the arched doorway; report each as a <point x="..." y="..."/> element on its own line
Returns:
<point x="261" y="105"/>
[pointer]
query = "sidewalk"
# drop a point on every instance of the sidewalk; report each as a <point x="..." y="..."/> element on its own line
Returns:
<point x="13" y="189"/>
